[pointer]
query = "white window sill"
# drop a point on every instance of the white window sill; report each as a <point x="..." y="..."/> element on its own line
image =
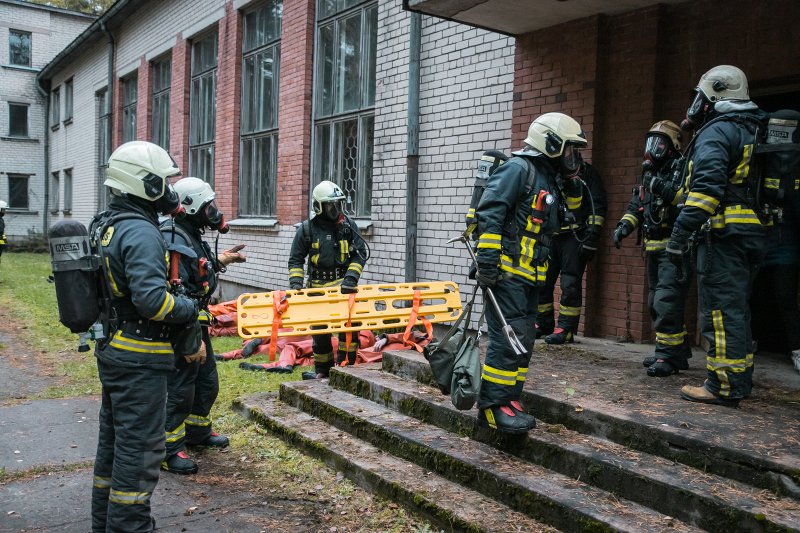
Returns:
<point x="266" y="223"/>
<point x="21" y="67"/>
<point x="19" y="139"/>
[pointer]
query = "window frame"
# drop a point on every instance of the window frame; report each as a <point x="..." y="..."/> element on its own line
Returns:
<point x="103" y="137"/>
<point x="55" y="107"/>
<point x="55" y="185"/>
<point x="30" y="48"/>
<point x="129" y="87"/>
<point x="69" y="95"/>
<point x="254" y="185"/>
<point x="160" y="99"/>
<point x="27" y="107"/>
<point x="11" y="203"/>
<point x="198" y="144"/>
<point x="68" y="184"/>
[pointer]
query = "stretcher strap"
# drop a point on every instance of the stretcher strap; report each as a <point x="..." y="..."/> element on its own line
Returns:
<point x="412" y="320"/>
<point x="348" y="336"/>
<point x="279" y="304"/>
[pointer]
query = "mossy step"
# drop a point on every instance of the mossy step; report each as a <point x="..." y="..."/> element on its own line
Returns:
<point x="708" y="501"/>
<point x="447" y="504"/>
<point x="555" y="499"/>
<point x="756" y="447"/>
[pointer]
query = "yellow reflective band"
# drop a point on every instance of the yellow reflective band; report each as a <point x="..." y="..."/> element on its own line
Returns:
<point x="597" y="220"/>
<point x="719" y="333"/>
<point x="112" y="281"/>
<point x="573" y="202"/>
<point x="129" y="498"/>
<point x="490" y="418"/>
<point x="355" y="267"/>
<point x="627" y="217"/>
<point x="120" y="341"/>
<point x="323" y="357"/>
<point x="796" y="185"/>
<point x="198" y="420"/>
<point x="670" y="339"/>
<point x="166" y="307"/>
<point x="543" y="308"/>
<point x="772" y="183"/>
<point x="527" y="245"/>
<point x="734" y="365"/>
<point x="315" y="258"/>
<point x="471" y="212"/>
<point x="317" y="285"/>
<point x="501" y="377"/>
<point x="499" y="371"/>
<point x="177" y="433"/>
<point x="489" y="240"/>
<point x="522" y="374"/>
<point x="566" y="310"/>
<point x="535" y="273"/>
<point x="702" y="201"/>
<point x="499" y="381"/>
<point x="102" y="482"/>
<point x="743" y="170"/>
<point x="295" y="272"/>
<point x="655" y="246"/>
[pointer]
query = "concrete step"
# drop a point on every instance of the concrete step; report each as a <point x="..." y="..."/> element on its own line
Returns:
<point x="553" y="498"/>
<point x="757" y="444"/>
<point x="447" y="504"/>
<point x="706" y="500"/>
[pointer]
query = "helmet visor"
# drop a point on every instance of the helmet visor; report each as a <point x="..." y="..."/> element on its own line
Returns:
<point x="332" y="210"/>
<point x="213" y="217"/>
<point x="571" y="159"/>
<point x="170" y="203"/>
<point x="656" y="147"/>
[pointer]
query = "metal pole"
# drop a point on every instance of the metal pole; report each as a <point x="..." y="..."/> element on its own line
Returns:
<point x="412" y="156"/>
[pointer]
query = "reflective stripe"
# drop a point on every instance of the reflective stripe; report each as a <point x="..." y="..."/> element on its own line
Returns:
<point x="129" y="498"/>
<point x="796" y="185"/>
<point x="344" y="250"/>
<point x="471" y="213"/>
<point x="627" y="217"/>
<point x="734" y="365"/>
<point x="489" y="240"/>
<point x="743" y="170"/>
<point x="501" y="377"/>
<point x="655" y="246"/>
<point x="719" y="333"/>
<point x="198" y="420"/>
<point x="522" y="374"/>
<point x="597" y="220"/>
<point x="772" y="183"/>
<point x="101" y="482"/>
<point x="490" y="418"/>
<point x="573" y="202"/>
<point x="543" y="308"/>
<point x="735" y="214"/>
<point x="670" y="339"/>
<point x="334" y="283"/>
<point x="112" y="281"/>
<point x="323" y="357"/>
<point x="705" y="202"/>
<point x="120" y="341"/>
<point x="355" y="267"/>
<point x="166" y="307"/>
<point x="565" y="310"/>
<point x="535" y="273"/>
<point x="177" y="434"/>
<point x="296" y="272"/>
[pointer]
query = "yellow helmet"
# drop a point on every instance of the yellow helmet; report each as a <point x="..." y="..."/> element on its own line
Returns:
<point x="550" y="133"/>
<point x="668" y="129"/>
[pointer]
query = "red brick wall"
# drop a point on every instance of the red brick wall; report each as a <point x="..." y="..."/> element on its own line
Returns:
<point x="294" y="120"/>
<point x="116" y="117"/>
<point x="617" y="75"/>
<point x="179" y="104"/>
<point x="144" y="103"/>
<point x="229" y="90"/>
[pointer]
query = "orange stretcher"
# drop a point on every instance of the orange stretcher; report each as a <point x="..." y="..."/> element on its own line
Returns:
<point x="327" y="310"/>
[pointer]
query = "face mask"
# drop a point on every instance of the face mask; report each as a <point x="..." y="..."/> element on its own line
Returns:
<point x="213" y="218"/>
<point x="570" y="161"/>
<point x="332" y="210"/>
<point x="697" y="113"/>
<point x="170" y="203"/>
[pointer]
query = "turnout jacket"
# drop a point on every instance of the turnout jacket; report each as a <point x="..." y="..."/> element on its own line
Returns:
<point x="334" y="249"/>
<point x="718" y="174"/>
<point x="516" y="222"/>
<point x="654" y="213"/>
<point x="136" y="261"/>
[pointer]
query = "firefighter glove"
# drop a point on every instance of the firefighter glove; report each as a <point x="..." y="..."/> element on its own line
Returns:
<point x="659" y="187"/>
<point x="199" y="355"/>
<point x="205" y="318"/>
<point x="232" y="256"/>
<point x="677" y="249"/>
<point x="487" y="276"/>
<point x="624" y="229"/>
<point x="349" y="285"/>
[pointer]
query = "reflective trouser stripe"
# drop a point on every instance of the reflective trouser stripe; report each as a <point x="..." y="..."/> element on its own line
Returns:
<point x="655" y="246"/>
<point x="544" y="308"/>
<point x="522" y="374"/>
<point x="101" y="482"/>
<point x="177" y="433"/>
<point x="129" y="498"/>
<point x="323" y="357"/>
<point x="198" y="420"/>
<point x="670" y="339"/>
<point x="717" y="364"/>
<point x="120" y="341"/>
<point x="573" y="202"/>
<point x="565" y="310"/>
<point x="501" y="377"/>
<point x="719" y="333"/>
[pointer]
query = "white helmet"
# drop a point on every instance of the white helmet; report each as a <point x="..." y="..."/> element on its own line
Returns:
<point x="724" y="82"/>
<point x="194" y="194"/>
<point x="326" y="192"/>
<point x="3" y="205"/>
<point x="552" y="132"/>
<point x="141" y="169"/>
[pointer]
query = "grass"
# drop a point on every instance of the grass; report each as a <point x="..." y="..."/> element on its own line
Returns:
<point x="265" y="461"/>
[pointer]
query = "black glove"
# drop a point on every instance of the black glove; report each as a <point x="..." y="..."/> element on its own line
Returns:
<point x="349" y="285"/>
<point x="473" y="270"/>
<point x="296" y="286"/>
<point x="677" y="249"/>
<point x="487" y="276"/>
<point x="624" y="229"/>
<point x="588" y="250"/>
<point x="659" y="187"/>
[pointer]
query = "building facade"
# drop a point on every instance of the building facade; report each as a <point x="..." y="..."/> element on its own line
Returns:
<point x="30" y="36"/>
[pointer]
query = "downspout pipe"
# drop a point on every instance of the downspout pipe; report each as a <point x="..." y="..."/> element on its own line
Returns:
<point x="412" y="149"/>
<point x="44" y="92"/>
<point x="109" y="101"/>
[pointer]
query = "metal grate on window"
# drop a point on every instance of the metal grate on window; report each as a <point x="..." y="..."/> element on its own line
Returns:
<point x="19" y="48"/>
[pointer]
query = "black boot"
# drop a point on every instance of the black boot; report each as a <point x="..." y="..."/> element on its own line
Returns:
<point x="560" y="336"/>
<point x="542" y="332"/>
<point x="180" y="463"/>
<point x="250" y="347"/>
<point x="666" y="367"/>
<point x="215" y="440"/>
<point x="516" y="406"/>
<point x="321" y="371"/>
<point x="648" y="361"/>
<point x="505" y="420"/>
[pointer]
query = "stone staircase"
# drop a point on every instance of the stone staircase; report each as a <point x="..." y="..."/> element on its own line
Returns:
<point x="594" y="463"/>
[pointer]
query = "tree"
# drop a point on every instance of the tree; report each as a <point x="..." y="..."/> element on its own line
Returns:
<point x="93" y="7"/>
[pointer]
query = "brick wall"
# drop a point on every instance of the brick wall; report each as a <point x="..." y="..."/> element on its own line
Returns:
<point x="144" y="103"/>
<point x="179" y="103"/>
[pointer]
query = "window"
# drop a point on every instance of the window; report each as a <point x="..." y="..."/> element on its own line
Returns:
<point x="202" y="108"/>
<point x="259" y="129"/>
<point x="19" y="48"/>
<point x="129" y="89"/>
<point x="67" y="190"/>
<point x="162" y="79"/>
<point x="55" y="107"/>
<point x="17" y="120"/>
<point x="68" y="100"/>
<point x="18" y="191"/>
<point x="54" y="188"/>
<point x="345" y="99"/>
<point x="103" y="135"/>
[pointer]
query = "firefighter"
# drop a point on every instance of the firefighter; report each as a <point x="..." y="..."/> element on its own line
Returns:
<point x="524" y="203"/>
<point x="654" y="208"/>
<point x="336" y="253"/>
<point x="3" y="207"/>
<point x="574" y="245"/>
<point x="193" y="389"/>
<point x="721" y="206"/>
<point x="137" y="357"/>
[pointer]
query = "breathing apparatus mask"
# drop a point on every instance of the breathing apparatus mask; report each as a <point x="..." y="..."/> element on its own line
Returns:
<point x="211" y="217"/>
<point x="332" y="210"/>
<point x="169" y="204"/>
<point x="699" y="112"/>
<point x="571" y="161"/>
<point x="657" y="150"/>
